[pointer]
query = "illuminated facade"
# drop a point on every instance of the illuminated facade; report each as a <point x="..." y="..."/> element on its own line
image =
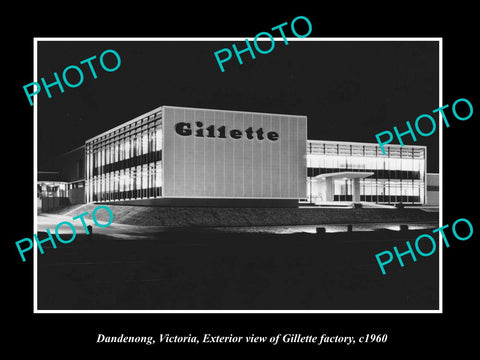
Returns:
<point x="347" y="171"/>
<point x="177" y="153"/>
<point x="124" y="163"/>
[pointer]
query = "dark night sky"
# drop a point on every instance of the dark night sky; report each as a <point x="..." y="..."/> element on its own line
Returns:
<point x="349" y="90"/>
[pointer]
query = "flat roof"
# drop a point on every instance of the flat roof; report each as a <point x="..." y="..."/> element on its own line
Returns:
<point x="232" y="111"/>
<point x="151" y="112"/>
<point x="75" y="149"/>
<point x="364" y="143"/>
<point x="43" y="176"/>
<point x="182" y="107"/>
<point x="345" y="174"/>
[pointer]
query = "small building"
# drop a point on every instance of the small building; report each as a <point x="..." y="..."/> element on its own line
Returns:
<point x="71" y="166"/>
<point x="50" y="185"/>
<point x="64" y="187"/>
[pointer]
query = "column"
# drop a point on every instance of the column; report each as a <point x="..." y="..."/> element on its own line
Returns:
<point x="329" y="189"/>
<point x="356" y="190"/>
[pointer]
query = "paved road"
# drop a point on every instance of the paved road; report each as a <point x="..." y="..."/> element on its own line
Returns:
<point x="131" y="232"/>
<point x="120" y="231"/>
<point x="328" y="228"/>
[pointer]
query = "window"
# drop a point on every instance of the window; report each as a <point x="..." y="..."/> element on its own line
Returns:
<point x="139" y="179"/>
<point x="151" y="140"/>
<point x="144" y="180"/>
<point x="144" y="143"/>
<point x="115" y="151"/>
<point x="122" y="181"/>
<point x="116" y="184"/>
<point x="122" y="150"/>
<point x="138" y="145"/>
<point x="158" y="179"/>
<point x="107" y="186"/>
<point x="152" y="174"/>
<point x="127" y="148"/>
<point x="158" y="133"/>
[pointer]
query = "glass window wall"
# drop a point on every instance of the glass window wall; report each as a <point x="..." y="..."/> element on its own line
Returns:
<point x="125" y="164"/>
<point x="398" y="176"/>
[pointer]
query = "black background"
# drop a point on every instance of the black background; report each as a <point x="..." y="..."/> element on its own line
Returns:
<point x="348" y="90"/>
<point x="63" y="335"/>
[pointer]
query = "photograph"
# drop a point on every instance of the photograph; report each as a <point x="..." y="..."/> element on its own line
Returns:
<point x="262" y="187"/>
<point x="225" y="180"/>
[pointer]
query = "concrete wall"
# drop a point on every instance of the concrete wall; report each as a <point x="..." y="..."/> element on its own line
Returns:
<point x="433" y="196"/>
<point x="214" y="203"/>
<point x="233" y="166"/>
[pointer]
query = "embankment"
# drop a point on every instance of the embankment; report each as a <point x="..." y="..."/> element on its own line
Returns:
<point x="207" y="217"/>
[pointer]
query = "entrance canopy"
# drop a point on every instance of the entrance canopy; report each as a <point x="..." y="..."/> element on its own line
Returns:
<point x="326" y="186"/>
<point x="344" y="175"/>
